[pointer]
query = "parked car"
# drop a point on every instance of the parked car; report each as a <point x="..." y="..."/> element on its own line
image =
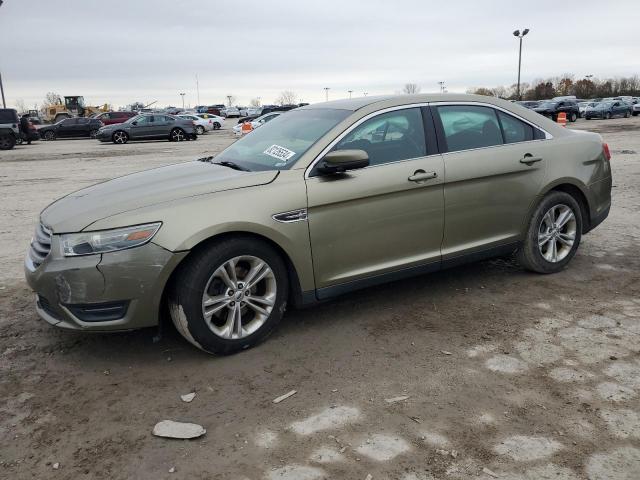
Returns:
<point x="551" y="109"/>
<point x="9" y="128"/>
<point x="324" y="200"/>
<point x="202" y="125"/>
<point x="530" y="104"/>
<point x="71" y="127"/>
<point x="582" y="106"/>
<point x="149" y="127"/>
<point x="230" y="112"/>
<point x="109" y="118"/>
<point x="216" y="120"/>
<point x="608" y="110"/>
<point x="257" y="122"/>
<point x="635" y="110"/>
<point x="242" y="111"/>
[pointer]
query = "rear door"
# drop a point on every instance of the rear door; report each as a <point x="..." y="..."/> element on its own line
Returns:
<point x="161" y="126"/>
<point x="495" y="166"/>
<point x="81" y="128"/>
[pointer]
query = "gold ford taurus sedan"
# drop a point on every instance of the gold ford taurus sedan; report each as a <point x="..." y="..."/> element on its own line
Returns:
<point x="323" y="200"/>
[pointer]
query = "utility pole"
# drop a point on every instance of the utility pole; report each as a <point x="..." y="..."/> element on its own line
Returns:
<point x="441" y="87"/>
<point x="198" y="88"/>
<point x="350" y="92"/>
<point x="182" y="95"/>
<point x="365" y="93"/>
<point x="4" y="104"/>
<point x="326" y="94"/>
<point x="519" y="35"/>
<point x="229" y="99"/>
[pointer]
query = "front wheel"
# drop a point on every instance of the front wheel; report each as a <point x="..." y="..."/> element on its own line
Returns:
<point x="93" y="133"/>
<point x="177" y="135"/>
<point x="120" y="137"/>
<point x="199" y="129"/>
<point x="49" y="135"/>
<point x="626" y="114"/>
<point x="553" y="234"/>
<point x="229" y="296"/>
<point x="216" y="126"/>
<point x="573" y="117"/>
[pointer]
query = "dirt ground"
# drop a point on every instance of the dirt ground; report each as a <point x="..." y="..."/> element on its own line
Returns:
<point x="506" y="374"/>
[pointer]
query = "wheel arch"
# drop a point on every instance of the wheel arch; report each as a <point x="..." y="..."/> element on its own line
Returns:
<point x="295" y="288"/>
<point x="578" y="191"/>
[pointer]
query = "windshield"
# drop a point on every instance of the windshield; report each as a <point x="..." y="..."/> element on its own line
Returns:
<point x="280" y="142"/>
<point x="548" y="104"/>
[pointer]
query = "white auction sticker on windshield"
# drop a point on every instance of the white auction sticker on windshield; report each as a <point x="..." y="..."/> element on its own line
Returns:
<point x="281" y="153"/>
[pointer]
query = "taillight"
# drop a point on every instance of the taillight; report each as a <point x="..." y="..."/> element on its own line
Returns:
<point x="607" y="153"/>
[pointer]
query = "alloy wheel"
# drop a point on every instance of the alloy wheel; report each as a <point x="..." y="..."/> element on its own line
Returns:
<point x="239" y="297"/>
<point x="120" y="137"/>
<point x="49" y="135"/>
<point x="178" y="135"/>
<point x="557" y="233"/>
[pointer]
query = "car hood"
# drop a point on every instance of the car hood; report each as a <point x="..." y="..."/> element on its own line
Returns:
<point x="80" y="209"/>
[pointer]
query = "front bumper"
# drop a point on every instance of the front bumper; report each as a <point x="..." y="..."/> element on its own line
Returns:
<point x="109" y="292"/>
<point x="104" y="136"/>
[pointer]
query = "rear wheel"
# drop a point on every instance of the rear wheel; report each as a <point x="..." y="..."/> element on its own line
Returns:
<point x="177" y="135"/>
<point x="49" y="135"/>
<point x="553" y="234"/>
<point x="120" y="137"/>
<point x="93" y="133"/>
<point x="229" y="296"/>
<point x="7" y="141"/>
<point x="626" y="114"/>
<point x="573" y="117"/>
<point x="216" y="126"/>
<point x="199" y="129"/>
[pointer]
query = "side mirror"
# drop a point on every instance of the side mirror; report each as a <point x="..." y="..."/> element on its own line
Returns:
<point x="340" y="161"/>
<point x="134" y="123"/>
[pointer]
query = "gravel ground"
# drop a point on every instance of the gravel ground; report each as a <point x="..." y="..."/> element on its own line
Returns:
<point x="478" y="372"/>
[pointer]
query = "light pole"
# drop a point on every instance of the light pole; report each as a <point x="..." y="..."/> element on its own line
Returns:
<point x="520" y="36"/>
<point x="4" y="104"/>
<point x="350" y="92"/>
<point x="182" y="95"/>
<point x="326" y="94"/>
<point x="198" y="88"/>
<point x="441" y="87"/>
<point x="229" y="97"/>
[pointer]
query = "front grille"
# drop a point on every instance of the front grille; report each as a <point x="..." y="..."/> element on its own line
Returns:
<point x="40" y="245"/>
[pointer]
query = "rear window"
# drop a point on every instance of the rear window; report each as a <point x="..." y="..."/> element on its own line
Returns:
<point x="8" y="116"/>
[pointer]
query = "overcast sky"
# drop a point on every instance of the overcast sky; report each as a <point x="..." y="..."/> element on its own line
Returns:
<point x="119" y="51"/>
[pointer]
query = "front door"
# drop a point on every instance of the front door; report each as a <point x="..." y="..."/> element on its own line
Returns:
<point x="141" y="127"/>
<point x="382" y="218"/>
<point x="495" y="166"/>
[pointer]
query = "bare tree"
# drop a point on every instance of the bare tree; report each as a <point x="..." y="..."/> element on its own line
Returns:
<point x="20" y="106"/>
<point x="410" y="89"/>
<point x="255" y="102"/>
<point x="51" y="98"/>
<point x="287" y="97"/>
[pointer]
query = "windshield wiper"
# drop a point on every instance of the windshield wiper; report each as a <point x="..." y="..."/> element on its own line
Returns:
<point x="235" y="166"/>
<point x="224" y="163"/>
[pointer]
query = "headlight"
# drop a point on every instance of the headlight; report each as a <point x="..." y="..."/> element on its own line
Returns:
<point x="88" y="243"/>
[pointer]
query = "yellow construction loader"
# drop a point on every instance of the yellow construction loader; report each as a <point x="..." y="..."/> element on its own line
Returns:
<point x="72" y="107"/>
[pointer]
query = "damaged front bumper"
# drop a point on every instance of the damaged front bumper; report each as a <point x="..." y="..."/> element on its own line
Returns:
<point x="108" y="292"/>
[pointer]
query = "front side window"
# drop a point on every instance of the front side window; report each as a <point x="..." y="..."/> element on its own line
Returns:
<point x="467" y="127"/>
<point x="515" y="130"/>
<point x="389" y="137"/>
<point x="143" y="120"/>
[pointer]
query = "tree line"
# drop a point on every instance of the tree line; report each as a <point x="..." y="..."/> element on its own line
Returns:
<point x="563" y="85"/>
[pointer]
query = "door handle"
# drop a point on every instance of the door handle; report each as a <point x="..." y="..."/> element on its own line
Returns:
<point x="421" y="175"/>
<point x="529" y="159"/>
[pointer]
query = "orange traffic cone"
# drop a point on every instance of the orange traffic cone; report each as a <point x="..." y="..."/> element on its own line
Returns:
<point x="246" y="127"/>
<point x="562" y="119"/>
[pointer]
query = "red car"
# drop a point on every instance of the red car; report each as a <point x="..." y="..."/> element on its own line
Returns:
<point x="109" y="118"/>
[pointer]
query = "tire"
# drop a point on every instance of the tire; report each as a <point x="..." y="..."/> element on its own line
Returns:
<point x="177" y="135"/>
<point x="635" y="114"/>
<point x="607" y="116"/>
<point x="626" y="114"/>
<point x="573" y="117"/>
<point x="120" y="137"/>
<point x="49" y="135"/>
<point x="19" y="140"/>
<point x="201" y="274"/>
<point x="216" y="126"/>
<point x="200" y="130"/>
<point x="540" y="259"/>
<point x="7" y="141"/>
<point x="93" y="133"/>
<point x="587" y="118"/>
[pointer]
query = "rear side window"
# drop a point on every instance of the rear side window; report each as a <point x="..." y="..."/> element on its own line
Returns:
<point x="389" y="137"/>
<point x="467" y="127"/>
<point x="8" y="116"/>
<point x="515" y="130"/>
